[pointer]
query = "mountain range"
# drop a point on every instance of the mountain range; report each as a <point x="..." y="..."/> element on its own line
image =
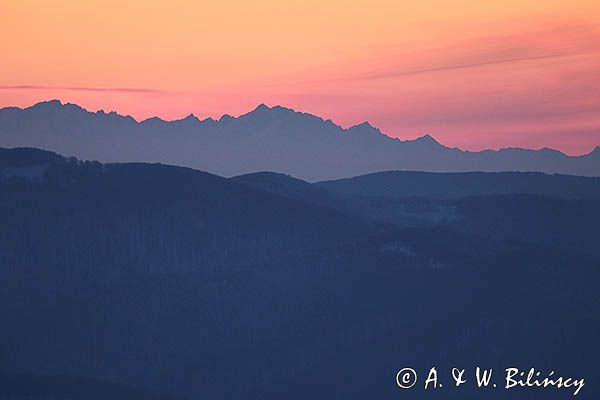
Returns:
<point x="265" y="139"/>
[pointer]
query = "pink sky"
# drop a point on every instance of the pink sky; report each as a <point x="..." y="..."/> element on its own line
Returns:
<point x="472" y="75"/>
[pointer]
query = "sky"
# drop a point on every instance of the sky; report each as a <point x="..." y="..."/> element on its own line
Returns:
<point x="474" y="74"/>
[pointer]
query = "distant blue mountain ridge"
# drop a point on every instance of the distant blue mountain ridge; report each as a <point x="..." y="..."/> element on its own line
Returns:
<point x="265" y="139"/>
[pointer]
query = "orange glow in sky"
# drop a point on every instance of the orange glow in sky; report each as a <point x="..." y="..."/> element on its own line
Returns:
<point x="472" y="73"/>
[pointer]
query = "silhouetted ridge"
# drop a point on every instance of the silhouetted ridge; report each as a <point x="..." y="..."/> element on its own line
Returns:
<point x="266" y="138"/>
<point x="399" y="184"/>
<point x="21" y="157"/>
<point x="290" y="187"/>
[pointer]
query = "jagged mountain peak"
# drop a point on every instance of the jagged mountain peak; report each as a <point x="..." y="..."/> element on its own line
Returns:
<point x="363" y="125"/>
<point x="364" y="129"/>
<point x="153" y="120"/>
<point x="191" y="117"/>
<point x="264" y="115"/>
<point x="225" y="118"/>
<point x="47" y="103"/>
<point x="263" y="109"/>
<point x="46" y="106"/>
<point x="267" y="138"/>
<point x="427" y="138"/>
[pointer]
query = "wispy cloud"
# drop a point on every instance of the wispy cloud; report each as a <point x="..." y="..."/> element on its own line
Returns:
<point x="483" y="52"/>
<point x="451" y="67"/>
<point x="83" y="89"/>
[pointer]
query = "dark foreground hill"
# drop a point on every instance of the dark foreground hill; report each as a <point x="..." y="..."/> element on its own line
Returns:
<point x="182" y="284"/>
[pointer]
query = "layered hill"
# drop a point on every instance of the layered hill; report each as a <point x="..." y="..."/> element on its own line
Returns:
<point x="399" y="184"/>
<point x="144" y="281"/>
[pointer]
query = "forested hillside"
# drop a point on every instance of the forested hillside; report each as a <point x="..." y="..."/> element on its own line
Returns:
<point x="151" y="281"/>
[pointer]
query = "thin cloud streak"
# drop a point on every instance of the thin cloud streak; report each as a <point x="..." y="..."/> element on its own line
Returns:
<point x="482" y="52"/>
<point x="392" y="74"/>
<point x="83" y="89"/>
